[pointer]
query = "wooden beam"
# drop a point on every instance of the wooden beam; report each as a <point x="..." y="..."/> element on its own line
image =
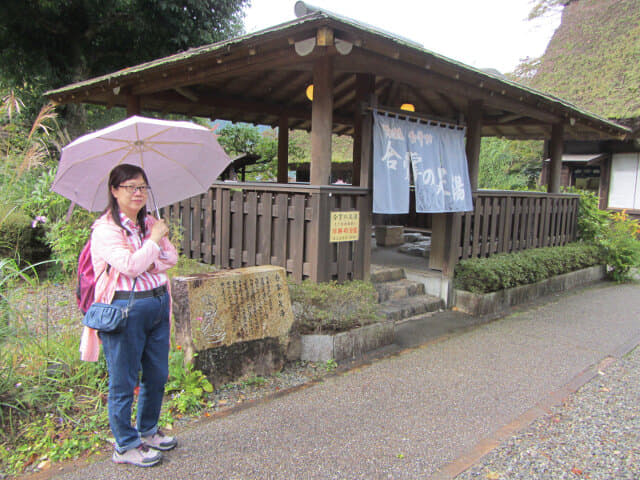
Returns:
<point x="283" y="150"/>
<point x="186" y="93"/>
<point x="293" y="86"/>
<point x="555" y="149"/>
<point x="182" y="76"/>
<point x="242" y="104"/>
<point x="322" y="121"/>
<point x="447" y="101"/>
<point x="474" y="132"/>
<point x="423" y="100"/>
<point x="368" y="62"/>
<point x="133" y="105"/>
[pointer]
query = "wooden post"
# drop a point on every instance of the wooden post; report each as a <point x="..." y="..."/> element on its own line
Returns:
<point x="555" y="172"/>
<point x="133" y="105"/>
<point x="365" y="85"/>
<point x="603" y="189"/>
<point x="320" y="247"/>
<point x="474" y="130"/>
<point x="445" y="240"/>
<point x="283" y="150"/>
<point x="321" y="121"/>
<point x="366" y="181"/>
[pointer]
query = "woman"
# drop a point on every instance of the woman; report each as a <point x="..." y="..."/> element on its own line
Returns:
<point x="130" y="251"/>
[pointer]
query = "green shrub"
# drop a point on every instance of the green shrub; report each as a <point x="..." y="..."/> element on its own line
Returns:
<point x="507" y="270"/>
<point x="592" y="222"/>
<point x="332" y="307"/>
<point x="619" y="246"/>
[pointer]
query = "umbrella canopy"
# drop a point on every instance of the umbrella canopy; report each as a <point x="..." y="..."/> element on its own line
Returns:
<point x="181" y="159"/>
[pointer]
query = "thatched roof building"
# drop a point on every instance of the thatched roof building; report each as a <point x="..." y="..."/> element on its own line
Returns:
<point x="593" y="59"/>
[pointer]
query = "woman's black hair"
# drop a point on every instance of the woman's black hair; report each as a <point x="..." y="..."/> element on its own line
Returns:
<point x="119" y="175"/>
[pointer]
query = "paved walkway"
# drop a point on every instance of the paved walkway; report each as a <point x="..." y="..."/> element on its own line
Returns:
<point x="426" y="412"/>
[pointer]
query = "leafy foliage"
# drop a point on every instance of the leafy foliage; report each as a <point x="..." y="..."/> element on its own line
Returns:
<point x="592" y="222"/>
<point x="542" y="7"/>
<point x="331" y="306"/>
<point x="620" y="246"/>
<point x="187" y="388"/>
<point x="508" y="164"/>
<point x="507" y="270"/>
<point x="56" y="41"/>
<point x="243" y="138"/>
<point x="614" y="233"/>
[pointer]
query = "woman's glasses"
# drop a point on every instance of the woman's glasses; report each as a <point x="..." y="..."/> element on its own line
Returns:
<point x="136" y="188"/>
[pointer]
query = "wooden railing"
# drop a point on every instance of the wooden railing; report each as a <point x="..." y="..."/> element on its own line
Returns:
<point x="238" y="225"/>
<point x="503" y="221"/>
<point x="513" y="221"/>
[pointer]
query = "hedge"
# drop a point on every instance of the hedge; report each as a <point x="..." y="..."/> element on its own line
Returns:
<point x="507" y="270"/>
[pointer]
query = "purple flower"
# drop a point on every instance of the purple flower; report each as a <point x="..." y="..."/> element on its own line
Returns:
<point x="38" y="219"/>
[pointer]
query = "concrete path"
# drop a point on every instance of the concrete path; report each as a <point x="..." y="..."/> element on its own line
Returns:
<point x="425" y="412"/>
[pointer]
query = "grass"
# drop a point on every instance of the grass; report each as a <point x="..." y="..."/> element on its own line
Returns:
<point x="53" y="407"/>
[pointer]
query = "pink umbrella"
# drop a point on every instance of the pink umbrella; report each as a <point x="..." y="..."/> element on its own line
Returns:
<point x="181" y="159"/>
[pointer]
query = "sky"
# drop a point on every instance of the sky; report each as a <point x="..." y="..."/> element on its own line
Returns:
<point x="480" y="33"/>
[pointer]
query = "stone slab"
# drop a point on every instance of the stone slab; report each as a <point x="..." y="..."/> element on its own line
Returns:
<point x="484" y="304"/>
<point x="229" y="307"/>
<point x="351" y="344"/>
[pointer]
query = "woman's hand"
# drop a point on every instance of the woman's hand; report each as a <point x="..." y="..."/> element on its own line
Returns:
<point x="159" y="230"/>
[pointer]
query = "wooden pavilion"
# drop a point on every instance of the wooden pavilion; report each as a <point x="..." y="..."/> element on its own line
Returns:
<point x="262" y="78"/>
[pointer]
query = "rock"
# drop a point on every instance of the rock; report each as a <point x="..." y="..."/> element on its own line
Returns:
<point x="236" y="321"/>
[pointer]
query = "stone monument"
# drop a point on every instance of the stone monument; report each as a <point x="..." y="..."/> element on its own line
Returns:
<point x="232" y="323"/>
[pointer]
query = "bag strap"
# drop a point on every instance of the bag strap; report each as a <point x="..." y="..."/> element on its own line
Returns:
<point x="125" y="310"/>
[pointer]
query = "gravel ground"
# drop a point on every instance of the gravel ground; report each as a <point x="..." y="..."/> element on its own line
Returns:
<point x="594" y="435"/>
<point x="49" y="306"/>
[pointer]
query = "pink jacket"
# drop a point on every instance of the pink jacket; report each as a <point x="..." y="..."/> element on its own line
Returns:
<point x="109" y="246"/>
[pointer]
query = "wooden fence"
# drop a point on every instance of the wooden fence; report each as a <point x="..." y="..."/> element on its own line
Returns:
<point x="501" y="222"/>
<point x="238" y="225"/>
<point x="514" y="221"/>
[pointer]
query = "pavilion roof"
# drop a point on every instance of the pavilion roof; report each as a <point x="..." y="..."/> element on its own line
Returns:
<point x="261" y="77"/>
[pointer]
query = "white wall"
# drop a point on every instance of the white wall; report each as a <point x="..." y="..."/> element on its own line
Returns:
<point x="624" y="187"/>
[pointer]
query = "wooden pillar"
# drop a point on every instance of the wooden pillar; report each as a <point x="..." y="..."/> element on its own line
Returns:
<point x="555" y="172"/>
<point x="321" y="121"/>
<point x="283" y="150"/>
<point x="133" y="105"/>
<point x="320" y="246"/>
<point x="474" y="129"/>
<point x="365" y="85"/>
<point x="366" y="148"/>
<point x="365" y="206"/>
<point x="603" y="188"/>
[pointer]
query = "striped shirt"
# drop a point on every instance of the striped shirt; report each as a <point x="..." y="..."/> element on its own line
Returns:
<point x="146" y="280"/>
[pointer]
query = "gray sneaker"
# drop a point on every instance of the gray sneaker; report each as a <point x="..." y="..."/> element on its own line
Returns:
<point x="141" y="456"/>
<point x="160" y="441"/>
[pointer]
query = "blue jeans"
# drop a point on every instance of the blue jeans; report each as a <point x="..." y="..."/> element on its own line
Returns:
<point x="143" y="345"/>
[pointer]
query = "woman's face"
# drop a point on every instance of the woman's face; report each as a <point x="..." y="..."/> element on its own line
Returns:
<point x="131" y="196"/>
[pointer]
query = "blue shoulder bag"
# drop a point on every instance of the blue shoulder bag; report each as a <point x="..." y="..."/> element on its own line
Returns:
<point x="109" y="318"/>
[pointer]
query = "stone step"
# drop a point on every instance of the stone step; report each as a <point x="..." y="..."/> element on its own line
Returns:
<point x="403" y="308"/>
<point x="396" y="289"/>
<point x="381" y="273"/>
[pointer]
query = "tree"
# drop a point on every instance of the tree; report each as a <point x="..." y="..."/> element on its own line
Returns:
<point x="244" y="138"/>
<point x="542" y="7"/>
<point x="60" y="41"/>
<point x="46" y="44"/>
<point x="508" y="164"/>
